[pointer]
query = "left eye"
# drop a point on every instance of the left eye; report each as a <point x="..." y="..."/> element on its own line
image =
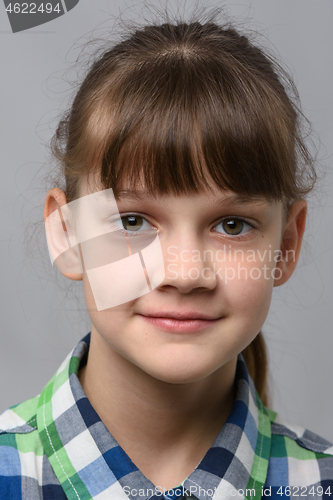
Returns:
<point x="233" y="227"/>
<point x="132" y="223"/>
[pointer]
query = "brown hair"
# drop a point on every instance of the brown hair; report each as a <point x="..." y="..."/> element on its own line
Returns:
<point x="177" y="104"/>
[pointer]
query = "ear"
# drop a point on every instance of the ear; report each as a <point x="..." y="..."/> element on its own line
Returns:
<point x="61" y="252"/>
<point x="291" y="241"/>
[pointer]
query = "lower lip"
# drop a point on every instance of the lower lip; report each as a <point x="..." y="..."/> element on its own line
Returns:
<point x="182" y="326"/>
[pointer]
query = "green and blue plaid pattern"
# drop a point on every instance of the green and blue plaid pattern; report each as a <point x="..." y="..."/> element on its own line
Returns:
<point x="55" y="447"/>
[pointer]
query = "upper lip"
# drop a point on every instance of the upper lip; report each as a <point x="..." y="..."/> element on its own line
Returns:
<point x="180" y="315"/>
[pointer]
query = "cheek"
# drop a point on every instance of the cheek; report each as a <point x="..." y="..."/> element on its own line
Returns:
<point x="104" y="319"/>
<point x="248" y="292"/>
<point x="110" y="324"/>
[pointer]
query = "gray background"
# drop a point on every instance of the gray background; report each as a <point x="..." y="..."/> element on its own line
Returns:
<point x="41" y="320"/>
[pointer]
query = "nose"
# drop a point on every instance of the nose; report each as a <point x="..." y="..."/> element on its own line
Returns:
<point x="188" y="265"/>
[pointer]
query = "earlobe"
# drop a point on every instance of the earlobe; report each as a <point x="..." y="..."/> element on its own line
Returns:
<point x="291" y="242"/>
<point x="65" y="256"/>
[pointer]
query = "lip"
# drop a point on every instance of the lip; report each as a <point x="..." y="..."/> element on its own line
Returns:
<point x="179" y="322"/>
<point x="180" y="315"/>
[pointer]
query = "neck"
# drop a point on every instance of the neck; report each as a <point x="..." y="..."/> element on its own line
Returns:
<point x="146" y="415"/>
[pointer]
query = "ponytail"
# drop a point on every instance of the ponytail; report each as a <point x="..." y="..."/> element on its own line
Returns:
<point x="255" y="356"/>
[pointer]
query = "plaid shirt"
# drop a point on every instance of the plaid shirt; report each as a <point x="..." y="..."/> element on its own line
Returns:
<point x="55" y="447"/>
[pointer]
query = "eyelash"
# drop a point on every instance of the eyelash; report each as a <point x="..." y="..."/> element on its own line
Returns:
<point x="225" y="219"/>
<point x="236" y="236"/>
<point x="125" y="231"/>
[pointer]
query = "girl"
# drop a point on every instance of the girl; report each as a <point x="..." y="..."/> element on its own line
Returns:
<point x="184" y="206"/>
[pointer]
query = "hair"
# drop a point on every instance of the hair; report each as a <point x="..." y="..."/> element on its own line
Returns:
<point x="175" y="105"/>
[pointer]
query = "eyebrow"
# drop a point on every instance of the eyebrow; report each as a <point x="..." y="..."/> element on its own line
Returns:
<point x="236" y="199"/>
<point x="232" y="199"/>
<point x="136" y="195"/>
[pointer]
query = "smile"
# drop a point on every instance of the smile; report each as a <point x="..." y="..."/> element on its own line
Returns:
<point x="176" y="325"/>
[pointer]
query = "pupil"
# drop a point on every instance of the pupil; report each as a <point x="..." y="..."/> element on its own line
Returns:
<point x="233" y="226"/>
<point x="132" y="221"/>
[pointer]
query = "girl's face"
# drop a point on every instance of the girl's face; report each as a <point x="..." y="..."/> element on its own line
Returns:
<point x="220" y="253"/>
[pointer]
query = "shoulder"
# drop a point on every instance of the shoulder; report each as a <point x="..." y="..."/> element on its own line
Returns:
<point x="299" y="458"/>
<point x="20" y="444"/>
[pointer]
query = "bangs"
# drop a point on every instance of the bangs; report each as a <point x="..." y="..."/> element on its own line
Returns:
<point x="176" y="131"/>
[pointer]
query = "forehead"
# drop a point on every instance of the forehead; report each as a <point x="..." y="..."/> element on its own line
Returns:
<point x="211" y="196"/>
<point x="204" y="197"/>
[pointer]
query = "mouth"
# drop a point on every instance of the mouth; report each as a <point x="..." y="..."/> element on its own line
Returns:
<point x="179" y="322"/>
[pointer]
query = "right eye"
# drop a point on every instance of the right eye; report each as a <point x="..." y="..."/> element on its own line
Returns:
<point x="132" y="223"/>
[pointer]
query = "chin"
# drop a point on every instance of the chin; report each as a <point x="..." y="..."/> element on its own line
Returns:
<point x="180" y="373"/>
<point x="179" y="378"/>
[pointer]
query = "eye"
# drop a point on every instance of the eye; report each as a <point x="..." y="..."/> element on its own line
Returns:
<point x="233" y="227"/>
<point x="132" y="223"/>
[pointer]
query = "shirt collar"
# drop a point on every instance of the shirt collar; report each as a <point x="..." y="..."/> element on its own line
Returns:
<point x="90" y="464"/>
